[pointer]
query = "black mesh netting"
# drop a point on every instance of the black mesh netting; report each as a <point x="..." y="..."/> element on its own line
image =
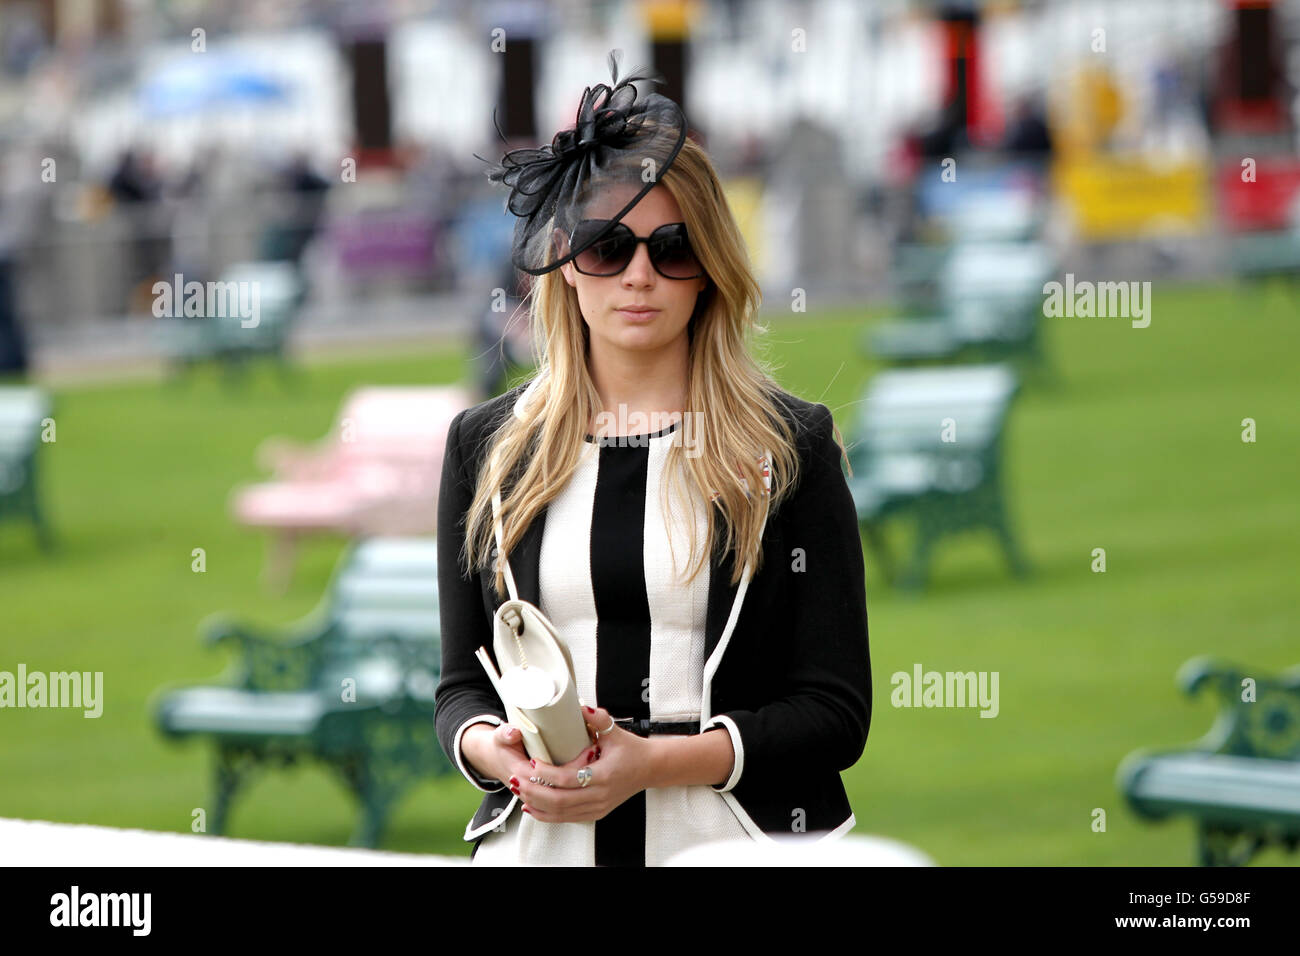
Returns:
<point x="615" y="153"/>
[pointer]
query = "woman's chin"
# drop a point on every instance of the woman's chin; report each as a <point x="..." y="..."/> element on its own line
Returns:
<point x="641" y="337"/>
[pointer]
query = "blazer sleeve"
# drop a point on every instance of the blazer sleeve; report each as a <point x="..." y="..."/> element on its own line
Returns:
<point x="822" y="714"/>
<point x="465" y="695"/>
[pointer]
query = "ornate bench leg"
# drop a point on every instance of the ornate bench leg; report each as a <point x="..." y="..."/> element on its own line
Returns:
<point x="44" y="535"/>
<point x="934" y="519"/>
<point x="370" y="827"/>
<point x="1042" y="367"/>
<point x="1205" y="847"/>
<point x="377" y="784"/>
<point x="919" y="568"/>
<point x="31" y="503"/>
<point x="1010" y="549"/>
<point x="233" y="767"/>
<point x="1222" y="846"/>
<point x="875" y="537"/>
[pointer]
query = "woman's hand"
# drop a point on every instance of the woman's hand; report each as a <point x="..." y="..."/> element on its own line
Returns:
<point x="619" y="764"/>
<point x="494" y="752"/>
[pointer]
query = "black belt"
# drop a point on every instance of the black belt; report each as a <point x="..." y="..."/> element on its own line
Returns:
<point x="644" y="727"/>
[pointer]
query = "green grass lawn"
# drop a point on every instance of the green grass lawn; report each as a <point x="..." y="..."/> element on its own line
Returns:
<point x="1136" y="450"/>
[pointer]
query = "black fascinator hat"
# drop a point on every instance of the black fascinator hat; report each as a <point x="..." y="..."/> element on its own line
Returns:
<point x="597" y="170"/>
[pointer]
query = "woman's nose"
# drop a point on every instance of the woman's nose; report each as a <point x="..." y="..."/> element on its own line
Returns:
<point x="639" y="271"/>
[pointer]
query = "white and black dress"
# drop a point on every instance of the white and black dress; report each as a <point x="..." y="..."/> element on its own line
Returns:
<point x="636" y="630"/>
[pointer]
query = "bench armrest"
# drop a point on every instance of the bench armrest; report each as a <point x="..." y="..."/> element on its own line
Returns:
<point x="265" y="663"/>
<point x="1259" y="719"/>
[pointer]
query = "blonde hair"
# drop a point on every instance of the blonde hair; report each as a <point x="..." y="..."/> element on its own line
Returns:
<point x="731" y="393"/>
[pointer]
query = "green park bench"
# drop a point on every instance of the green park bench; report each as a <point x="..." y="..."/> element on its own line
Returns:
<point x="990" y="307"/>
<point x="1260" y="255"/>
<point x="23" y="409"/>
<point x="1240" y="783"/>
<point x="233" y="340"/>
<point x="927" y="446"/>
<point x="917" y="269"/>
<point x="916" y="274"/>
<point x="352" y="686"/>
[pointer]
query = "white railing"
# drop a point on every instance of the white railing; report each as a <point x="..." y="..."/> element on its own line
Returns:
<point x="38" y="843"/>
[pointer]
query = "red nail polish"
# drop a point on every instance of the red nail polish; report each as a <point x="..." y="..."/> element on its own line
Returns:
<point x="534" y="763"/>
<point x="597" y="751"/>
<point x="527" y="810"/>
<point x="515" y="791"/>
<point x="514" y="781"/>
<point x="591" y="755"/>
<point x="591" y="710"/>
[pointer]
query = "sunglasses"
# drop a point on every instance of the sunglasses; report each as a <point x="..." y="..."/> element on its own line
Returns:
<point x="669" y="248"/>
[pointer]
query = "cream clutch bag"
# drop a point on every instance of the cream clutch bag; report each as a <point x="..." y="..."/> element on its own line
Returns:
<point x="536" y="683"/>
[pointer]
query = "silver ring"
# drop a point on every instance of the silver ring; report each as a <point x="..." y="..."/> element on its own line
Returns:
<point x="541" y="781"/>
<point x="584" y="776"/>
<point x="612" y="724"/>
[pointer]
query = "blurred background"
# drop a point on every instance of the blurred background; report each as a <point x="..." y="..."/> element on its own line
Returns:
<point x="250" y="269"/>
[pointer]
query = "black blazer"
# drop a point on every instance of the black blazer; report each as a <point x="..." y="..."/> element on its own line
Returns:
<point x="791" y="680"/>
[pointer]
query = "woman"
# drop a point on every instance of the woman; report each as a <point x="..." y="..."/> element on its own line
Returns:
<point x="711" y="595"/>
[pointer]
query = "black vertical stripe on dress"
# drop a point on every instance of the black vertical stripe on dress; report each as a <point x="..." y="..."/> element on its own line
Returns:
<point x="623" y="623"/>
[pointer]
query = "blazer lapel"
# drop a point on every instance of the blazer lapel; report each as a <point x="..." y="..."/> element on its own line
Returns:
<point x="526" y="561"/>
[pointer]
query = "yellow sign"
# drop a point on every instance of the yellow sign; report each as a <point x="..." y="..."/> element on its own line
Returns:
<point x="669" y="19"/>
<point x="745" y="197"/>
<point x="1112" y="197"/>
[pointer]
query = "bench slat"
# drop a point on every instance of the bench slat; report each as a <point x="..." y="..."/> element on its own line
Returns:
<point x="225" y="710"/>
<point x="369" y="624"/>
<point x="1210" y="782"/>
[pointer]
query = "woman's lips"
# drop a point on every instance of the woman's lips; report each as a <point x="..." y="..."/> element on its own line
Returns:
<point x="644" y="316"/>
